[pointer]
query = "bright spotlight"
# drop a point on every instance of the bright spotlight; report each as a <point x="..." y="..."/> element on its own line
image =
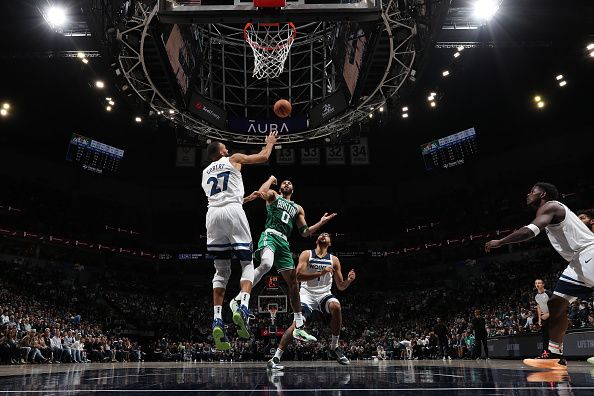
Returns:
<point x="138" y="119"/>
<point x="445" y="73"/>
<point x="370" y="115"/>
<point x="80" y="55"/>
<point x="559" y="77"/>
<point x="3" y="112"/>
<point x="457" y="54"/>
<point x="85" y="60"/>
<point x="55" y="16"/>
<point x="405" y="108"/>
<point x="590" y="46"/>
<point x="171" y="111"/>
<point x="430" y="98"/>
<point x="405" y="115"/>
<point x="6" y="106"/>
<point x="111" y="102"/>
<point x="99" y="84"/>
<point x="485" y="9"/>
<point x="563" y="83"/>
<point x="460" y="48"/>
<point x="108" y="108"/>
<point x="540" y="105"/>
<point x="381" y="109"/>
<point x="433" y="104"/>
<point x="537" y="98"/>
<point x="592" y="54"/>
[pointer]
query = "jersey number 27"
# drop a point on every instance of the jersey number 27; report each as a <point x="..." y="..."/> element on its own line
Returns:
<point x="215" y="182"/>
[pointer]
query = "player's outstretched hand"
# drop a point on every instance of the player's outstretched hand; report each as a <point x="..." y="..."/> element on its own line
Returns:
<point x="272" y="138"/>
<point x="494" y="244"/>
<point x="351" y="277"/>
<point x="326" y="218"/>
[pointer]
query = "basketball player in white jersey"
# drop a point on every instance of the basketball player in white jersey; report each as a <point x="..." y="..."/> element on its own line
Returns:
<point x="316" y="270"/>
<point x="575" y="243"/>
<point x="227" y="230"/>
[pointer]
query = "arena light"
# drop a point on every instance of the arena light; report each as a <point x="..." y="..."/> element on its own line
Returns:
<point x="381" y="109"/>
<point x="405" y="109"/>
<point x="404" y="115"/>
<point x="55" y="16"/>
<point x="485" y="9"/>
<point x="3" y="112"/>
<point x="592" y="54"/>
<point x="85" y="60"/>
<point x="540" y="104"/>
<point x="111" y="103"/>
<point x="430" y="98"/>
<point x="457" y="54"/>
<point x="108" y="108"/>
<point x="445" y="73"/>
<point x="6" y="106"/>
<point x="433" y="104"/>
<point x="460" y="48"/>
<point x="171" y="111"/>
<point x="80" y="55"/>
<point x="99" y="84"/>
<point x="590" y="46"/>
<point x="559" y="77"/>
<point x="537" y="98"/>
<point x="138" y="119"/>
<point x="370" y="115"/>
<point x="208" y="141"/>
<point x="562" y="83"/>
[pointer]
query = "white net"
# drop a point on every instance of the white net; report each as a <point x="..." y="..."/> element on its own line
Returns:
<point x="271" y="43"/>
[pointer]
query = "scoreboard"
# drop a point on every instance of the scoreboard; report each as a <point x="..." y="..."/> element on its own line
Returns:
<point x="94" y="156"/>
<point x="450" y="151"/>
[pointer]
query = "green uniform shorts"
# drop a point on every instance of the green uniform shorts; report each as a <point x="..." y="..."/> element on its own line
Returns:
<point x="283" y="259"/>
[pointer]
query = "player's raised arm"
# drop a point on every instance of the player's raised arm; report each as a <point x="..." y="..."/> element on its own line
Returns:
<point x="252" y="196"/>
<point x="302" y="274"/>
<point x="239" y="159"/>
<point x="544" y="216"/>
<point x="266" y="193"/>
<point x="306" y="231"/>
<point x="341" y="283"/>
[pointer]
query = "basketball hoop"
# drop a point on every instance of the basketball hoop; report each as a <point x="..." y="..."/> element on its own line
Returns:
<point x="272" y="310"/>
<point x="271" y="43"/>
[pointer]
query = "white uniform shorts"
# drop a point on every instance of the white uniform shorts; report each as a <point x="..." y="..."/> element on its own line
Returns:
<point x="315" y="302"/>
<point x="228" y="230"/>
<point x="578" y="278"/>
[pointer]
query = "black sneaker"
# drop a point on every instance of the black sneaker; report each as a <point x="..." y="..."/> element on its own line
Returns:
<point x="338" y="354"/>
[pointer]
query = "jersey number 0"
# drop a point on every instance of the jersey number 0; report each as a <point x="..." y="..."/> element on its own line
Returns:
<point x="215" y="182"/>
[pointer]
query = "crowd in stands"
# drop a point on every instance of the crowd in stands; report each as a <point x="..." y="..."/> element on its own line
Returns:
<point x="60" y="318"/>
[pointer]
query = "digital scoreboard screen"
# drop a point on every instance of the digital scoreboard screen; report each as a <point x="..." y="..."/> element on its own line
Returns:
<point x="450" y="151"/>
<point x="94" y="156"/>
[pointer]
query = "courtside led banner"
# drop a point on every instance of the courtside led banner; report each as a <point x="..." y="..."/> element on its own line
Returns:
<point x="209" y="112"/>
<point x="284" y="126"/>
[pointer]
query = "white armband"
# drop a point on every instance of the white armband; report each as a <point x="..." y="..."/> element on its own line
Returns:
<point x="534" y="229"/>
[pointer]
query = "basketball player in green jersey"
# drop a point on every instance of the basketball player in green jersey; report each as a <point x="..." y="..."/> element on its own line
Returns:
<point x="273" y="246"/>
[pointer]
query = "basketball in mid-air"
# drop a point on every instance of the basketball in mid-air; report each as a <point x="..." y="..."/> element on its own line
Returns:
<point x="282" y="108"/>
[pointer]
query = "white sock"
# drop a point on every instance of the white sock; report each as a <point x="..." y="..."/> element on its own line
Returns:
<point x="279" y="353"/>
<point x="555" y="347"/>
<point x="244" y="297"/>
<point x="218" y="312"/>
<point x="334" y="342"/>
<point x="298" y="318"/>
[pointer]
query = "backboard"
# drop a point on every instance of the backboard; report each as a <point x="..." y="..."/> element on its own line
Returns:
<point x="241" y="11"/>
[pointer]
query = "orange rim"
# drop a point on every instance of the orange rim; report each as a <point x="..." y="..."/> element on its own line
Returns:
<point x="253" y="44"/>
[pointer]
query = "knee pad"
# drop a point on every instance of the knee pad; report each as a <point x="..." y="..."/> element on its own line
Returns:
<point x="267" y="259"/>
<point x="222" y="273"/>
<point x="247" y="271"/>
